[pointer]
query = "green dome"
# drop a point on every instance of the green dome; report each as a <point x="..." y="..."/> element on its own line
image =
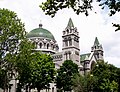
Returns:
<point x="40" y="32"/>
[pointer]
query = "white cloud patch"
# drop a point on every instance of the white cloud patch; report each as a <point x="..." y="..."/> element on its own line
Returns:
<point x="113" y="60"/>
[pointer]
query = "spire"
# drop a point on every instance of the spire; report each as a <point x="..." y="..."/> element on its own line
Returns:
<point x="96" y="42"/>
<point x="40" y="25"/>
<point x="70" y="23"/>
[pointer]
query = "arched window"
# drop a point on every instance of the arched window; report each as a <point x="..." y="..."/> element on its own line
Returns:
<point x="47" y="46"/>
<point x="69" y="54"/>
<point x="66" y="56"/>
<point x="95" y="47"/>
<point x="70" y="42"/>
<point x="67" y="31"/>
<point x="66" y="43"/>
<point x="40" y="45"/>
<point x="44" y="45"/>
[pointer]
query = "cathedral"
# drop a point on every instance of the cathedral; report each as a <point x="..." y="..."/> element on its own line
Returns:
<point x="46" y="43"/>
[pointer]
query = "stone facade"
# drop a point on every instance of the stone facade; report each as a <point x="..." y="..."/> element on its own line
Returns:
<point x="46" y="43"/>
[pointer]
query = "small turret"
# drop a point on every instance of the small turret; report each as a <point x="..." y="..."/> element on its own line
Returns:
<point x="40" y="25"/>
<point x="70" y="24"/>
<point x="97" y="49"/>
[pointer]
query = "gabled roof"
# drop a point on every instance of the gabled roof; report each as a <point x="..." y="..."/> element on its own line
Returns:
<point x="70" y="23"/>
<point x="96" y="42"/>
<point x="83" y="56"/>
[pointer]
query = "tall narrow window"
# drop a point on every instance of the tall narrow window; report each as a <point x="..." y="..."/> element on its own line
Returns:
<point x="44" y="45"/>
<point x="66" y="56"/>
<point x="66" y="43"/>
<point x="40" y="45"/>
<point x="70" y="42"/>
<point x="47" y="46"/>
<point x="67" y="31"/>
<point x="95" y="47"/>
<point x="69" y="55"/>
<point x="52" y="89"/>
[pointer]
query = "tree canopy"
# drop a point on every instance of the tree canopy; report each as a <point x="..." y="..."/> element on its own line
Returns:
<point x="103" y="78"/>
<point x="11" y="33"/>
<point x="18" y="60"/>
<point x="50" y="7"/>
<point x="65" y="75"/>
<point x="106" y="77"/>
<point x="83" y="83"/>
<point x="36" y="71"/>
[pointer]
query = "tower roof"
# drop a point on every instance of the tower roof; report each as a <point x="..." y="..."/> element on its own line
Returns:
<point x="70" y="23"/>
<point x="96" y="42"/>
<point x="84" y="57"/>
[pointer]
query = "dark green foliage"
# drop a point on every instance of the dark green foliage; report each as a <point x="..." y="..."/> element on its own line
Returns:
<point x="107" y="77"/>
<point x="2" y="78"/>
<point x="113" y="5"/>
<point x="50" y="7"/>
<point x="23" y="63"/>
<point x="35" y="70"/>
<point x="17" y="58"/>
<point x="83" y="83"/>
<point x="43" y="71"/>
<point x="65" y="75"/>
<point x="11" y="32"/>
<point x="103" y="78"/>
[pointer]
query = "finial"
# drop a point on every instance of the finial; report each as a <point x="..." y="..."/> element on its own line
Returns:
<point x="40" y="25"/>
<point x="70" y="23"/>
<point x="96" y="42"/>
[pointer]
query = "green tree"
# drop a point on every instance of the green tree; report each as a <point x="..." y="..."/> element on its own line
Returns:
<point x="103" y="78"/>
<point x="43" y="71"/>
<point x="65" y="75"/>
<point x="35" y="70"/>
<point x="2" y="78"/>
<point x="11" y="33"/>
<point x="107" y="86"/>
<point x="83" y="83"/>
<point x="50" y="7"/>
<point x="107" y="77"/>
<point x="23" y="64"/>
<point x="118" y="78"/>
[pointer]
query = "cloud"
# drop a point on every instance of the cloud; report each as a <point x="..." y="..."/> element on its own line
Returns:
<point x="113" y="60"/>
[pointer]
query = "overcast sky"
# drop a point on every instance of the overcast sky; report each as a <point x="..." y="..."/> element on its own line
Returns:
<point x="95" y="25"/>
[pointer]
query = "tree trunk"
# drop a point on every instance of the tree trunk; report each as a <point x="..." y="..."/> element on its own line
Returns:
<point x="27" y="88"/>
<point x="38" y="90"/>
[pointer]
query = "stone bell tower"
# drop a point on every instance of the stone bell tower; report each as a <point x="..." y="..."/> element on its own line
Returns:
<point x="97" y="49"/>
<point x="70" y="39"/>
